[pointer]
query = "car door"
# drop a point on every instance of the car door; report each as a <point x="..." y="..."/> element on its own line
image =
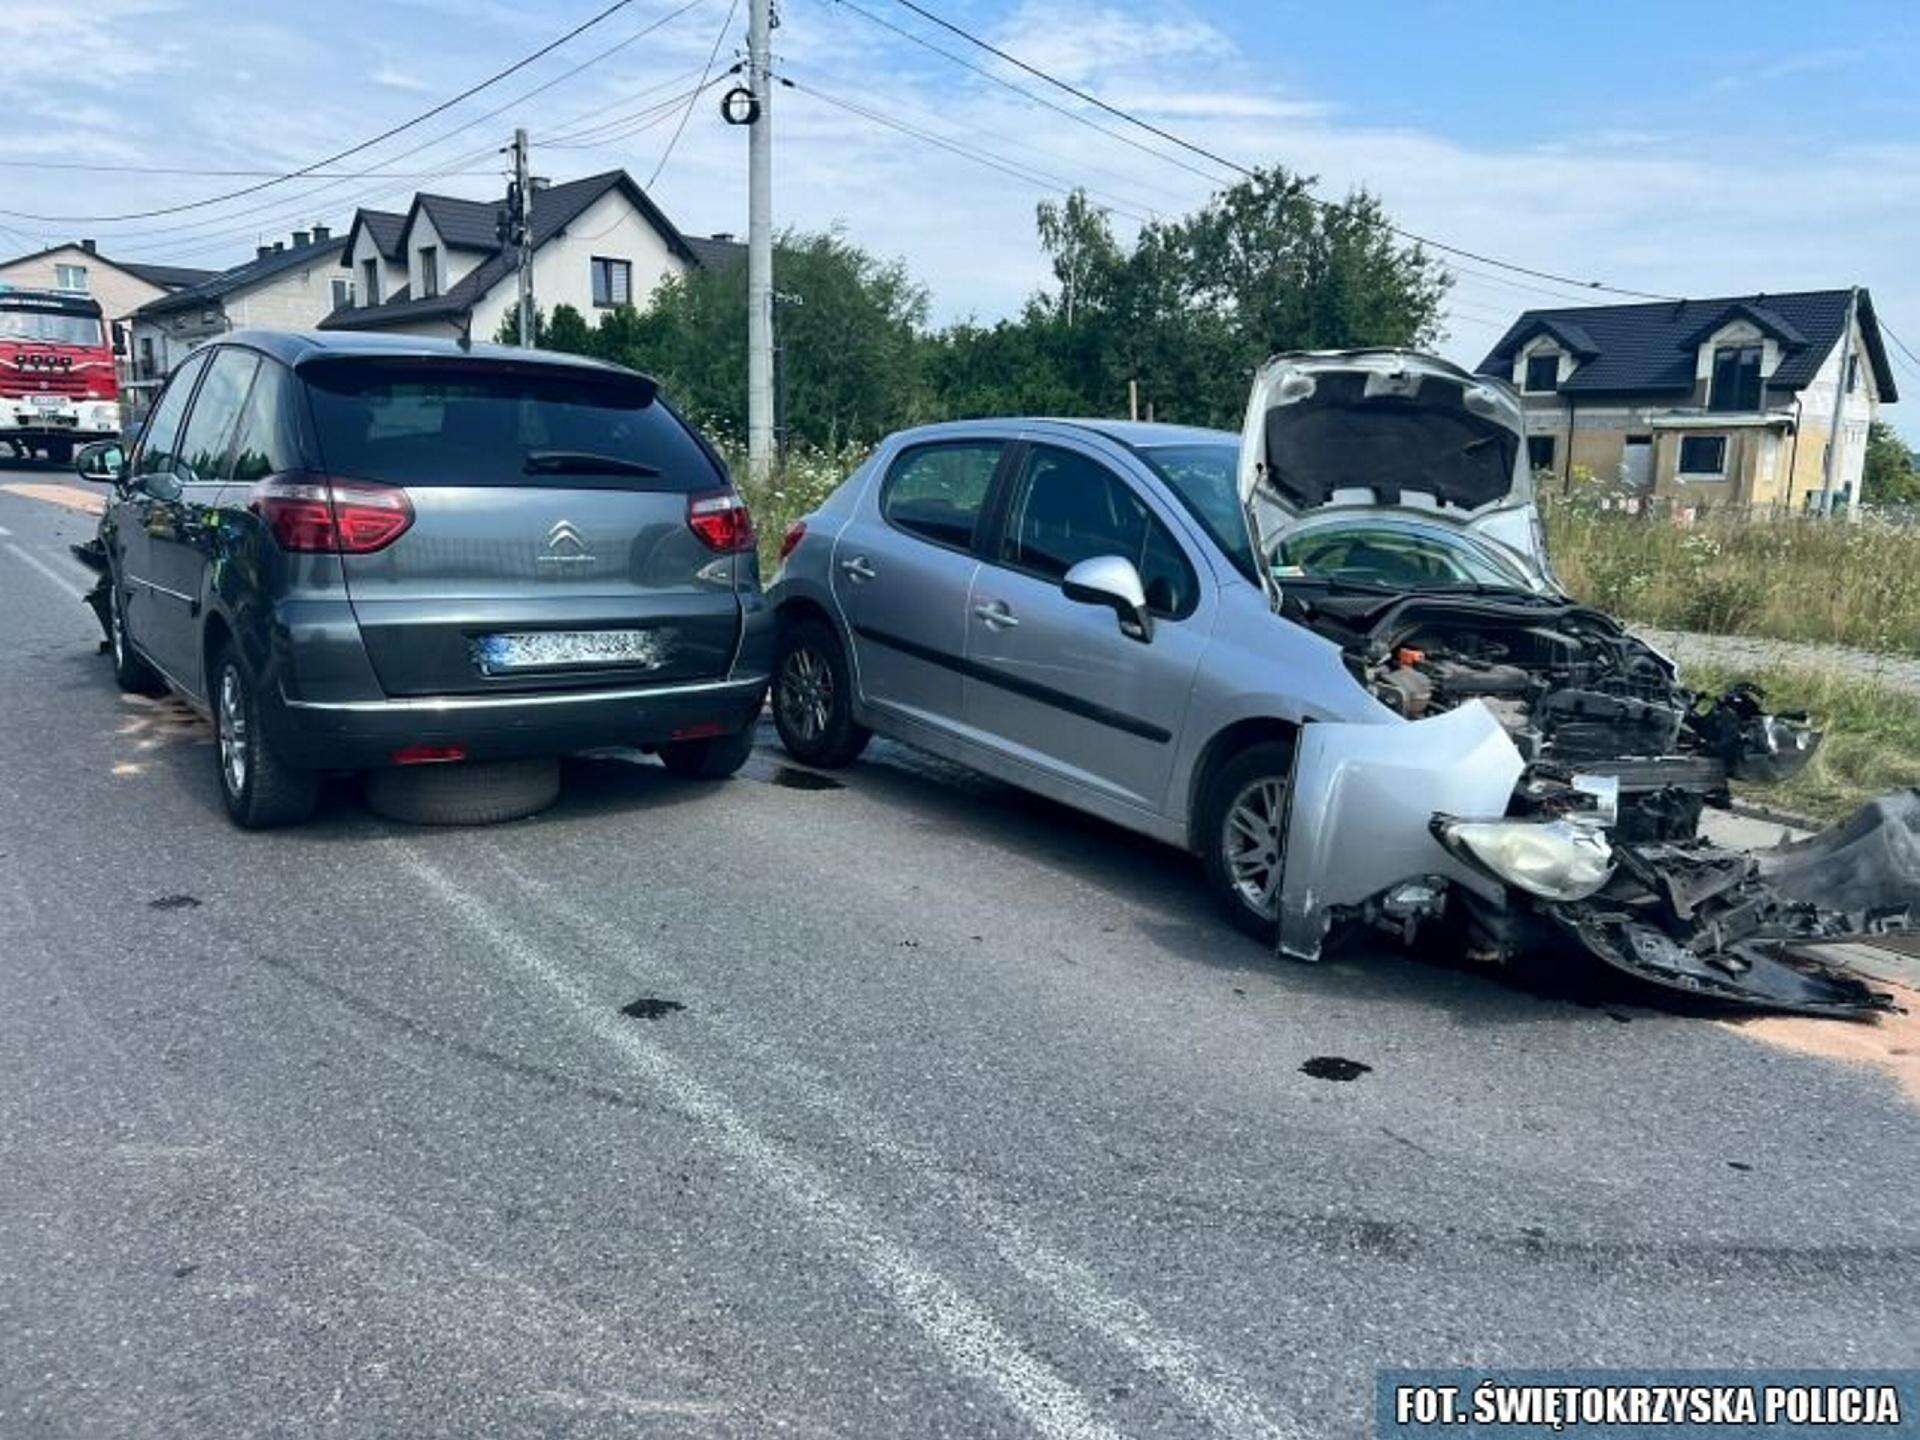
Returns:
<point x="145" y="504"/>
<point x="183" y="514"/>
<point x="902" y="571"/>
<point x="1057" y="685"/>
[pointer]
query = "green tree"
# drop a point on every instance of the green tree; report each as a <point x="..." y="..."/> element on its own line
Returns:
<point x="1891" y="477"/>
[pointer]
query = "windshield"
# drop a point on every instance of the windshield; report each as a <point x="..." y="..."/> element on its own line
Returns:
<point x="1405" y="557"/>
<point x="1203" y="477"/>
<point x="466" y="424"/>
<point x="50" y="327"/>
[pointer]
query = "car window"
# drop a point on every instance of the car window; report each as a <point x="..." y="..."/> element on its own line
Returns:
<point x="1067" y="508"/>
<point x="938" y="491"/>
<point x="1391" y="555"/>
<point x="160" y="444"/>
<point x="1205" y="479"/>
<point x="216" y="410"/>
<point x="269" y="442"/>
<point x="458" y="422"/>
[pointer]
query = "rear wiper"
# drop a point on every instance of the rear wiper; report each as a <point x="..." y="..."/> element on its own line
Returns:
<point x="583" y="462"/>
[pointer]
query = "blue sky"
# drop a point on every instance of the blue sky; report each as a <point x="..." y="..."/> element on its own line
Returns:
<point x="1682" y="149"/>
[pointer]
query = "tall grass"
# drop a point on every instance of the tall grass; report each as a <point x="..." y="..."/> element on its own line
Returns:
<point x="1730" y="573"/>
<point x="802" y="479"/>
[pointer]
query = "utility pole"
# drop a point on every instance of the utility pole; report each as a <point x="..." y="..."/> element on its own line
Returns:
<point x="522" y="235"/>
<point x="760" y="243"/>
<point x="1836" y="428"/>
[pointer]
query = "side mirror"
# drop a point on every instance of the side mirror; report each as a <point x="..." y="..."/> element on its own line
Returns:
<point x="103" y="460"/>
<point x="1111" y="580"/>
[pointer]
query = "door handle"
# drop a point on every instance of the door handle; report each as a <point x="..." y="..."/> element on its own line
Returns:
<point x="858" y="568"/>
<point x="997" y="615"/>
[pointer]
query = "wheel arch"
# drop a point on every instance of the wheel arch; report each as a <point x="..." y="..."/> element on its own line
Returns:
<point x="1221" y="747"/>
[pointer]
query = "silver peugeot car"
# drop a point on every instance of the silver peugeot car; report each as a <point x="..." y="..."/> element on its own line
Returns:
<point x="1329" y="656"/>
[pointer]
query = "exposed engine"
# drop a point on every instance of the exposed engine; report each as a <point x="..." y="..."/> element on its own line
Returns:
<point x="1590" y="707"/>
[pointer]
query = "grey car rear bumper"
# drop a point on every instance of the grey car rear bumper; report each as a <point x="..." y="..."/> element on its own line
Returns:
<point x="353" y="734"/>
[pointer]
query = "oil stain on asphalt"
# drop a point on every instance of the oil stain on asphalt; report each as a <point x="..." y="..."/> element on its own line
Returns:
<point x="174" y="902"/>
<point x="1334" y="1067"/>
<point x="651" y="1007"/>
<point x="789" y="778"/>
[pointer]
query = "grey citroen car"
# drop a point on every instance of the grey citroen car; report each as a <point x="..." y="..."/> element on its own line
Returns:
<point x="1328" y="655"/>
<point x="357" y="552"/>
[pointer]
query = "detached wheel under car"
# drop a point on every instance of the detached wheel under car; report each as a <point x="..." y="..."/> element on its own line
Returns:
<point x="478" y="793"/>
<point x="1243" y="834"/>
<point x="813" y="696"/>
<point x="260" y="788"/>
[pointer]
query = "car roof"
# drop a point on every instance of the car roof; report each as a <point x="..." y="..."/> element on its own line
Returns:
<point x="299" y="347"/>
<point x="1134" y="434"/>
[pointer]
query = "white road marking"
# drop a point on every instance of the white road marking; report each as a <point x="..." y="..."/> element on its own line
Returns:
<point x="47" y="570"/>
<point x="969" y="1338"/>
<point x="5" y="531"/>
<point x="1205" y="1383"/>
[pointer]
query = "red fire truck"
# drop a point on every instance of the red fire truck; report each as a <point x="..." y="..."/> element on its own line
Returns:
<point x="57" y="388"/>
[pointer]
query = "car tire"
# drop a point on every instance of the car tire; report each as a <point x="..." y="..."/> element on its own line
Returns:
<point x="132" y="674"/>
<point x="261" y="789"/>
<point x="1248" y="794"/>
<point x="711" y="759"/>
<point x="486" y="792"/>
<point x="813" y="696"/>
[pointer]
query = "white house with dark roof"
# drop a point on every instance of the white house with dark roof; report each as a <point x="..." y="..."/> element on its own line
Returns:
<point x="1728" y="400"/>
<point x="441" y="268"/>
<point x="286" y="286"/>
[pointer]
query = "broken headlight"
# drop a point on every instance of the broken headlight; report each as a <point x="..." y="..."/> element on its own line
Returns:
<point x="1554" y="859"/>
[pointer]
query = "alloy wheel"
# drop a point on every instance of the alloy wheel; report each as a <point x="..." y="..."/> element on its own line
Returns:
<point x="806" y="694"/>
<point x="1252" y="839"/>
<point x="235" y="742"/>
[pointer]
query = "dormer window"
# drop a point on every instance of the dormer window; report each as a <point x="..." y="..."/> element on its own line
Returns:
<point x="1543" y="374"/>
<point x="429" y="270"/>
<point x="1736" y="378"/>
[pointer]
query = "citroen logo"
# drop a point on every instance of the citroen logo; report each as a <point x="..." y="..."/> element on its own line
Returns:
<point x="565" y="546"/>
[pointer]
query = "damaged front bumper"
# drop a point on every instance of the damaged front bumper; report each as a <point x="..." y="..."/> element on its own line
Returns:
<point x="1368" y="803"/>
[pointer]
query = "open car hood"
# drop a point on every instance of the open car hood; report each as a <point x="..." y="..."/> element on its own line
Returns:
<point x="1388" y="430"/>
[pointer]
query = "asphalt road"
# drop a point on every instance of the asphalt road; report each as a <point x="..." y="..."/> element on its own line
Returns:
<point x="974" y="1120"/>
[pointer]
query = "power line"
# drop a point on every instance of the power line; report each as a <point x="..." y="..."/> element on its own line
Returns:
<point x="220" y="174"/>
<point x="1040" y="100"/>
<point x="1234" y="165"/>
<point x="305" y="170"/>
<point x="1887" y="331"/>
<point x="571" y="131"/>
<point x="1025" y="174"/>
<point x="678" y="130"/>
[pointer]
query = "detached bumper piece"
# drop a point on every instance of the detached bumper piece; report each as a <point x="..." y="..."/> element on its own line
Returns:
<point x="1745" y="928"/>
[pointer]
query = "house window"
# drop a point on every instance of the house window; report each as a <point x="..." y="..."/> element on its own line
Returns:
<point x="1540" y="452"/>
<point x="612" y="282"/>
<point x="70" y="277"/>
<point x="429" y="270"/>
<point x="1704" y="456"/>
<point x="342" y="294"/>
<point x="1736" y="378"/>
<point x="370" y="275"/>
<point x="1543" y="374"/>
<point x="147" y="370"/>
<point x="1853" y="372"/>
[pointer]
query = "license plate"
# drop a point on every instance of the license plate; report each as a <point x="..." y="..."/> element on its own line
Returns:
<point x="45" y="403"/>
<point x="560" y="649"/>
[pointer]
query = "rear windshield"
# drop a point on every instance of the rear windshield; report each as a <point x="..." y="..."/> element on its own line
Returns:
<point x="492" y="425"/>
<point x="50" y="327"/>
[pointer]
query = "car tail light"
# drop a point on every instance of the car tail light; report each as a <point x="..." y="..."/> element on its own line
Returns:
<point x="796" y="532"/>
<point x="349" y="517"/>
<point x="721" y="520"/>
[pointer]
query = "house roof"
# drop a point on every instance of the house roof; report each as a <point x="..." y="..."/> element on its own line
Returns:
<point x="263" y="267"/>
<point x="385" y="226"/>
<point x="554" y="208"/>
<point x="460" y="224"/>
<point x="167" y="277"/>
<point x="716" y="252"/>
<point x="1654" y="347"/>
